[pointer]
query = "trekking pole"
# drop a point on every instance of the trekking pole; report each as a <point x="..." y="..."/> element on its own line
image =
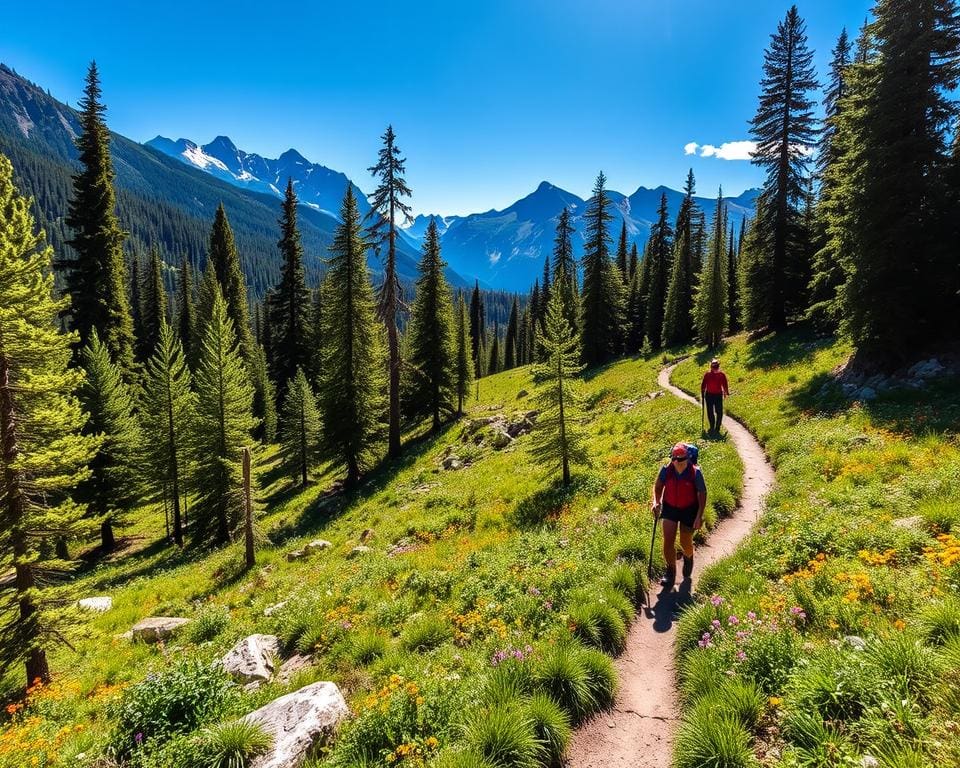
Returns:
<point x="653" y="538"/>
<point x="703" y="407"/>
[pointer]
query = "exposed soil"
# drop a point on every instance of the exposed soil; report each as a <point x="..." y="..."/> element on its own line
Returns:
<point x="638" y="731"/>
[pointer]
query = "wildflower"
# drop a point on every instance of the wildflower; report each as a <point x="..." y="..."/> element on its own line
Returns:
<point x="900" y="624"/>
<point x="716" y="600"/>
<point x="138" y="738"/>
<point x="741" y="655"/>
<point x="732" y="620"/>
<point x="534" y="591"/>
<point x="751" y="616"/>
<point x="775" y="701"/>
<point x="715" y="623"/>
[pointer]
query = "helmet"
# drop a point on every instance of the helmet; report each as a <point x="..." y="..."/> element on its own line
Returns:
<point x="714" y="363"/>
<point x="679" y="451"/>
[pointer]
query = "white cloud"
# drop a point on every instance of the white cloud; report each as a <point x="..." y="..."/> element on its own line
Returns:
<point x="729" y="150"/>
<point x="494" y="258"/>
<point x="691" y="148"/>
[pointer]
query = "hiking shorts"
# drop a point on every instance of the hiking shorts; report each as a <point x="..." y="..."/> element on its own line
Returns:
<point x="686" y="516"/>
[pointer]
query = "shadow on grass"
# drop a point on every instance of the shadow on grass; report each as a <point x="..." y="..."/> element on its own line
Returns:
<point x="797" y="345"/>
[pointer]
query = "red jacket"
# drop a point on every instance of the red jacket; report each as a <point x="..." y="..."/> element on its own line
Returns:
<point x="715" y="383"/>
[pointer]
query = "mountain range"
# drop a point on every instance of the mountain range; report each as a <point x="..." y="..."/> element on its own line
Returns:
<point x="169" y="189"/>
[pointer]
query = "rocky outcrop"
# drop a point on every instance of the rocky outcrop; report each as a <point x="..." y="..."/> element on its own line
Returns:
<point x="156" y="628"/>
<point x="299" y="724"/>
<point x="252" y="659"/>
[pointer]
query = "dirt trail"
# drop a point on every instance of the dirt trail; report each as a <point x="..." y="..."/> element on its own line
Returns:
<point x="638" y="732"/>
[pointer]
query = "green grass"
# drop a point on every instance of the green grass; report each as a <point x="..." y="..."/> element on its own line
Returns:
<point x="856" y="549"/>
<point x="463" y="565"/>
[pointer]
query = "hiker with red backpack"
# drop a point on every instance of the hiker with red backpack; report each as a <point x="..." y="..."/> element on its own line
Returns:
<point x="713" y="388"/>
<point x="679" y="498"/>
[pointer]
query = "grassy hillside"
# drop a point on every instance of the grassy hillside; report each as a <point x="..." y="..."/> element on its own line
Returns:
<point x="481" y="586"/>
<point x="833" y="635"/>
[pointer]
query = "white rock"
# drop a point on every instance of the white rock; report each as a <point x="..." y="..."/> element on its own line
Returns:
<point x="251" y="659"/>
<point x="452" y="462"/>
<point x="914" y="521"/>
<point x="297" y="554"/>
<point x="869" y="761"/>
<point x="155" y="628"/>
<point x="357" y="551"/>
<point x="318" y="545"/>
<point x="96" y="604"/>
<point x="855" y="642"/>
<point x="299" y="723"/>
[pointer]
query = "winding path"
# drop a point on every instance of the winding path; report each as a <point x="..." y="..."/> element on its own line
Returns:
<point x="638" y="731"/>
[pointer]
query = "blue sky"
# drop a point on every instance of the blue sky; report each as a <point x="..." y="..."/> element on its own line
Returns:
<point x="487" y="99"/>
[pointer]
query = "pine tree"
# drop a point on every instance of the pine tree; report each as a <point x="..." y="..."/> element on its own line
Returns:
<point x="168" y="412"/>
<point x="42" y="453"/>
<point x="710" y="308"/>
<point x="733" y="299"/>
<point x="565" y="269"/>
<point x="558" y="439"/>
<point x="224" y="421"/>
<point x="154" y="308"/>
<point x="431" y="331"/>
<point x="186" y="310"/>
<point x="350" y="386"/>
<point x="386" y="205"/>
<point x="113" y="485"/>
<point x="661" y="246"/>
<point x="510" y="342"/>
<point x="264" y="396"/>
<point x="677" y="315"/>
<point x="299" y="427"/>
<point x="602" y="299"/>
<point x="226" y="264"/>
<point x="545" y="288"/>
<point x="900" y="294"/>
<point x="622" y="254"/>
<point x="464" y="365"/>
<point x="535" y="314"/>
<point x="289" y="302"/>
<point x="478" y="331"/>
<point x="96" y="278"/>
<point x="316" y="338"/>
<point x="136" y="299"/>
<point x="523" y="335"/>
<point x="635" y="315"/>
<point x="494" y="365"/>
<point x="634" y="260"/>
<point x="783" y="128"/>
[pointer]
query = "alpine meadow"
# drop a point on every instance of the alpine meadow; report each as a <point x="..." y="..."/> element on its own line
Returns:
<point x="298" y="472"/>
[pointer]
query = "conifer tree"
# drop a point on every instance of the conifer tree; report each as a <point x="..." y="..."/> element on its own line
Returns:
<point x="784" y="128"/>
<point x="634" y="260"/>
<point x="478" y="330"/>
<point x="386" y="205"/>
<point x="510" y="342"/>
<point x="289" y="303"/>
<point x="168" y="412"/>
<point x="710" y="308"/>
<point x="622" y="256"/>
<point x="558" y="440"/>
<point x="42" y="453"/>
<point x="545" y="288"/>
<point x="602" y="298"/>
<point x="136" y="299"/>
<point x="206" y="294"/>
<point x="299" y="427"/>
<point x="154" y="307"/>
<point x="351" y="382"/>
<point x="658" y="257"/>
<point x="733" y="299"/>
<point x="535" y="314"/>
<point x="186" y="310"/>
<point x="635" y="315"/>
<point x="900" y="294"/>
<point x="224" y="421"/>
<point x="565" y="270"/>
<point x="316" y="338"/>
<point x="264" y="396"/>
<point x="676" y="313"/>
<point x="113" y="485"/>
<point x="229" y="273"/>
<point x="464" y="365"/>
<point x="96" y="278"/>
<point x="523" y="336"/>
<point x="431" y="331"/>
<point x="494" y="365"/>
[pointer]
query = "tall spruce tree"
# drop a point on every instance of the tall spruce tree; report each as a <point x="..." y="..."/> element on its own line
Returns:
<point x="523" y="337"/>
<point x="136" y="300"/>
<point x="602" y="299"/>
<point x="42" y="452"/>
<point x="431" y="331"/>
<point x="351" y="381"/>
<point x="495" y="363"/>
<point x="622" y="256"/>
<point x="264" y="396"/>
<point x="464" y="365"/>
<point x="893" y="307"/>
<point x="661" y="247"/>
<point x="545" y="289"/>
<point x="534" y="306"/>
<point x="565" y="269"/>
<point x="154" y="306"/>
<point x="224" y="421"/>
<point x="96" y="277"/>
<point x="289" y="302"/>
<point x="784" y="129"/>
<point x="168" y="412"/>
<point x="113" y="486"/>
<point x="634" y="315"/>
<point x="387" y="205"/>
<point x="558" y="440"/>
<point x="677" y="313"/>
<point x="226" y="264"/>
<point x="316" y="338"/>
<point x="299" y="427"/>
<point x="478" y="330"/>
<point x="711" y="300"/>
<point x="186" y="310"/>
<point x="634" y="261"/>
<point x="733" y="298"/>
<point x="510" y="341"/>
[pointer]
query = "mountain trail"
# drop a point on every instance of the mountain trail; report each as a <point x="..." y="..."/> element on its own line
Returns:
<point x="638" y="732"/>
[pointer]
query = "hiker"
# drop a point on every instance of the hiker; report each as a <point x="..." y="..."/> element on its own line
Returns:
<point x="713" y="388"/>
<point x="679" y="498"/>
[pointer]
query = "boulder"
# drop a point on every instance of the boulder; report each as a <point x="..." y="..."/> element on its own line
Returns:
<point x="251" y="659"/>
<point x="452" y="462"/>
<point x="96" y="604"/>
<point x="522" y="393"/>
<point x="317" y="545"/>
<point x="297" y="554"/>
<point x="368" y="534"/>
<point x="625" y="406"/>
<point x="475" y="425"/>
<point x="299" y="724"/>
<point x="926" y="369"/>
<point x="500" y="439"/>
<point x="855" y="642"/>
<point x="357" y="551"/>
<point x="156" y="628"/>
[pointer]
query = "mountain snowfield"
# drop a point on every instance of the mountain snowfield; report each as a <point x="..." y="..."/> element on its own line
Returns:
<point x="502" y="249"/>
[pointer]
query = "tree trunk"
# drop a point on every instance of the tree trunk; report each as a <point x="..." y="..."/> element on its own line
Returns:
<point x="62" y="548"/>
<point x="108" y="541"/>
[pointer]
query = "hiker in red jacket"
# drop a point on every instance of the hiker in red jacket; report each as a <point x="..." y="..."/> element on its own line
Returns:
<point x="679" y="498"/>
<point x="712" y="391"/>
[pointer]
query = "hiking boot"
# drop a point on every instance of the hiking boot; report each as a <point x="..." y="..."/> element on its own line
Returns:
<point x="687" y="566"/>
<point x="667" y="579"/>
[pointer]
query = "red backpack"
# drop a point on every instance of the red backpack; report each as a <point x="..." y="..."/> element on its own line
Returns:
<point x="680" y="492"/>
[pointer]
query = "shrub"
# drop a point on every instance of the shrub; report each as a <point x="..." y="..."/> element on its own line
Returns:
<point x="708" y="739"/>
<point x="507" y="682"/>
<point x="740" y="699"/>
<point x="903" y="660"/>
<point x="504" y="736"/>
<point x="551" y="726"/>
<point x="463" y="758"/>
<point x="770" y="658"/>
<point x="633" y="548"/>
<point x="367" y="646"/>
<point x="694" y="621"/>
<point x="178" y="699"/>
<point x="209" y="622"/>
<point x="940" y="621"/>
<point x="232" y="745"/>
<point x="623" y="579"/>
<point x="562" y="674"/>
<point x="601" y="677"/>
<point x="700" y="674"/>
<point x="425" y="633"/>
<point x="834" y="684"/>
<point x="599" y="624"/>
